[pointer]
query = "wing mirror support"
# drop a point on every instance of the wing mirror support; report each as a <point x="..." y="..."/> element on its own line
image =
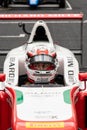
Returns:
<point x="83" y="79"/>
<point x="22" y="25"/>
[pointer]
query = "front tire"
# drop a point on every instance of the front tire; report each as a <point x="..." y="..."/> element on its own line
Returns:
<point x="5" y="3"/>
<point x="61" y="3"/>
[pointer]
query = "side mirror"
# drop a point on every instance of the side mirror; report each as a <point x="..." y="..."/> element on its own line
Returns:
<point x="83" y="79"/>
<point x="2" y="79"/>
<point x="83" y="76"/>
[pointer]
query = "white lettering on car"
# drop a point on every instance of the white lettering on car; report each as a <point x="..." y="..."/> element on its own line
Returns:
<point x="70" y="69"/>
<point x="12" y="69"/>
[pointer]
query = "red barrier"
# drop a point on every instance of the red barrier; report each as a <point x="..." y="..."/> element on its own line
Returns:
<point x="39" y="16"/>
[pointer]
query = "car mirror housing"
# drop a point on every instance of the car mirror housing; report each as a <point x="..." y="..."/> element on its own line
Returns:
<point x="83" y="79"/>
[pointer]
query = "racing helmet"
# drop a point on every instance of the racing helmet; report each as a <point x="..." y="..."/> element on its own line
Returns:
<point x="41" y="65"/>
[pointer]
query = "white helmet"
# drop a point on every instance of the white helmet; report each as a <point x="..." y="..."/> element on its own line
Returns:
<point x="41" y="64"/>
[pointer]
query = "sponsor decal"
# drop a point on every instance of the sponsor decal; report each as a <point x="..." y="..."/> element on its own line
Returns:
<point x="11" y="69"/>
<point x="44" y="124"/>
<point x="19" y="97"/>
<point x="70" y="69"/>
<point x="66" y="95"/>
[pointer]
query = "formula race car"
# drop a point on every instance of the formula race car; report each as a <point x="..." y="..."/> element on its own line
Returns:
<point x="32" y="3"/>
<point x="42" y="104"/>
<point x="35" y="3"/>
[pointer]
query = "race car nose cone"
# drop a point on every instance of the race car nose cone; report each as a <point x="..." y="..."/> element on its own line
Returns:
<point x="2" y="77"/>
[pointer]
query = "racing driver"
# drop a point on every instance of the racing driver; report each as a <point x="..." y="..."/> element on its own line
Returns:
<point x="41" y="66"/>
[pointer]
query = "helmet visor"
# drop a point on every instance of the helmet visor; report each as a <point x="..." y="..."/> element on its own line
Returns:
<point x="42" y="66"/>
<point x="42" y="63"/>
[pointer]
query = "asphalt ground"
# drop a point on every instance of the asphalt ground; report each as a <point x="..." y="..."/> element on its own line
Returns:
<point x="64" y="33"/>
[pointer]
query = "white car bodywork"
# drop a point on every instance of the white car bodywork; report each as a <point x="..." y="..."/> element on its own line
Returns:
<point x="32" y="101"/>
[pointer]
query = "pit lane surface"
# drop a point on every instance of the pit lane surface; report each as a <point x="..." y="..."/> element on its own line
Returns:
<point x="11" y="36"/>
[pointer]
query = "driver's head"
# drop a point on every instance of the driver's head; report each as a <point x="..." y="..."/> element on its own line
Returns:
<point x="41" y="67"/>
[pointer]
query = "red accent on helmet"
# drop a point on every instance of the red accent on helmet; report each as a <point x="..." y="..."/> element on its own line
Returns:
<point x="52" y="81"/>
<point x="42" y="51"/>
<point x="30" y="80"/>
<point x="29" y="54"/>
<point x="54" y="55"/>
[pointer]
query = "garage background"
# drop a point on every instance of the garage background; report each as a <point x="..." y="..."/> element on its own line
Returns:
<point x="70" y="34"/>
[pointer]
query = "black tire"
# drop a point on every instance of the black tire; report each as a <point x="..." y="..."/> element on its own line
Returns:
<point x="0" y="2"/>
<point x="33" y="7"/>
<point x="61" y="3"/>
<point x="10" y="1"/>
<point x="5" y="3"/>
